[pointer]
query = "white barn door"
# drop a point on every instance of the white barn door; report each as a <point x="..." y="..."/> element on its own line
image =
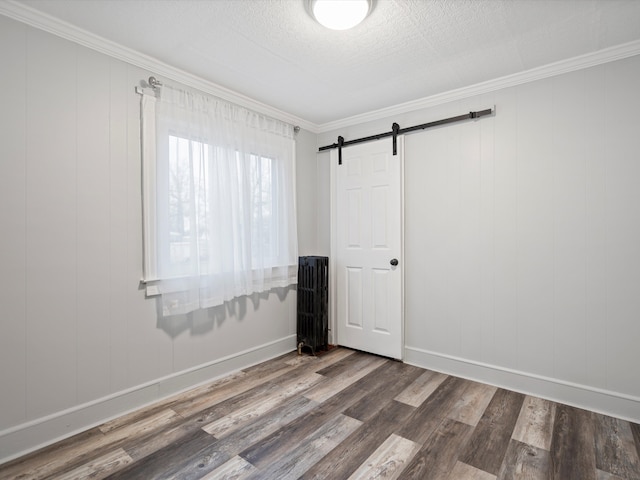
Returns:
<point x="368" y="248"/>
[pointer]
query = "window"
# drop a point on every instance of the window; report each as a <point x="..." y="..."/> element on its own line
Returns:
<point x="219" y="201"/>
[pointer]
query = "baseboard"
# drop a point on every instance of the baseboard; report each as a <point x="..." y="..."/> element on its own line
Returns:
<point x="28" y="437"/>
<point x="607" y="402"/>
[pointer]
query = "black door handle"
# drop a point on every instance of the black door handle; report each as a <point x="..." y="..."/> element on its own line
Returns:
<point x="394" y="262"/>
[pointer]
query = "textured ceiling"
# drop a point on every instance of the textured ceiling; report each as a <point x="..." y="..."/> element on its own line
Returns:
<point x="273" y="52"/>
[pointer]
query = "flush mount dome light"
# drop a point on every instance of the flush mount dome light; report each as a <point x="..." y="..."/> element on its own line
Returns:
<point x="339" y="14"/>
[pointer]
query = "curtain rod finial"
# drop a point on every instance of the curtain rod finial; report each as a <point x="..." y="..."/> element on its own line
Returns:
<point x="154" y="82"/>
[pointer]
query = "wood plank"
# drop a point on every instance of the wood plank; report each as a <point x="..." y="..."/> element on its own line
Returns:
<point x="236" y="402"/>
<point x="421" y="388"/>
<point x="204" y="457"/>
<point x="635" y="429"/>
<point x="490" y="440"/>
<point x="311" y="449"/>
<point x="288" y="437"/>
<point x="346" y="364"/>
<point x="382" y="385"/>
<point x="339" y="382"/>
<point x="262" y="368"/>
<point x="171" y="460"/>
<point x="143" y="427"/>
<point x="221" y="391"/>
<point x="231" y="444"/>
<point x="345" y="459"/>
<point x="140" y="447"/>
<point x="193" y="395"/>
<point x="252" y="410"/>
<point x="76" y="454"/>
<point x="470" y="407"/>
<point x="524" y="462"/>
<point x="40" y="463"/>
<point x="133" y="417"/>
<point x="250" y="380"/>
<point x="235" y="469"/>
<point x="572" y="446"/>
<point x="99" y="467"/>
<point x="428" y="416"/>
<point x="276" y="419"/>
<point x="600" y="475"/>
<point x="193" y="423"/>
<point x="462" y="471"/>
<point x="318" y="362"/>
<point x="252" y="396"/>
<point x="439" y="455"/>
<point x="535" y="422"/>
<point x="615" y="447"/>
<point x="388" y="460"/>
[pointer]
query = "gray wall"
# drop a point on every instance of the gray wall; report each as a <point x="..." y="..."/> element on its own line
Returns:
<point x="307" y="187"/>
<point x="79" y="342"/>
<point x="522" y="237"/>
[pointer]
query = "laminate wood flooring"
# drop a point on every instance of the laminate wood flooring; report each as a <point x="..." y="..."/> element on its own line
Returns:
<point x="345" y="415"/>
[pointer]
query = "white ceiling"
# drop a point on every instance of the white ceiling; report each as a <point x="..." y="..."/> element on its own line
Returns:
<point x="273" y="52"/>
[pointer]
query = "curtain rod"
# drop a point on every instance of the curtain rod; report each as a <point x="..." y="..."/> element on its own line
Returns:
<point x="154" y="84"/>
<point x="396" y="130"/>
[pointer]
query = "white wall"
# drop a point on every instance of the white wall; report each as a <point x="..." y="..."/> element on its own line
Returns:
<point x="523" y="238"/>
<point x="306" y="174"/>
<point x="79" y="342"/>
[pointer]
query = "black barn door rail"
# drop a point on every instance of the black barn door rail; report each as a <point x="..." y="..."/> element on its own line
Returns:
<point x="396" y="130"/>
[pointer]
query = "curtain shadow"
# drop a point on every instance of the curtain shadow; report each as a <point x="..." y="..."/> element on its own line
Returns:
<point x="198" y="322"/>
<point x="203" y="321"/>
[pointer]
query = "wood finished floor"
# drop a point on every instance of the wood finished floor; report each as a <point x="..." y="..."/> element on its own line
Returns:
<point x="345" y="415"/>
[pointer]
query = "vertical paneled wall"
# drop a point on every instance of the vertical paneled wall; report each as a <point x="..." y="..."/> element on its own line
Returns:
<point x="307" y="194"/>
<point x="522" y="237"/>
<point x="13" y="223"/>
<point x="51" y="239"/>
<point x="75" y="326"/>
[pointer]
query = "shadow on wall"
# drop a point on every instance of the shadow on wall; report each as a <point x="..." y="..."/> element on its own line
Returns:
<point x="203" y="321"/>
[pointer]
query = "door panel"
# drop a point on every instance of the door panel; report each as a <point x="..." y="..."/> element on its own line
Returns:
<point x="368" y="222"/>
<point x="353" y="296"/>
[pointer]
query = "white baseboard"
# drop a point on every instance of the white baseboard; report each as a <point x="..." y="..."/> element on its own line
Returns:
<point x="28" y="437"/>
<point x="607" y="402"/>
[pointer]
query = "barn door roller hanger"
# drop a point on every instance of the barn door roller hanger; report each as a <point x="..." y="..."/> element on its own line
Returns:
<point x="396" y="130"/>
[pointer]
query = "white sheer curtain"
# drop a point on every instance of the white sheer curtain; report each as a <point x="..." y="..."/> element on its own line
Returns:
<point x="219" y="200"/>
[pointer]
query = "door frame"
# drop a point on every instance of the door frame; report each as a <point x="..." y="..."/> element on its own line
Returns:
<point x="333" y="304"/>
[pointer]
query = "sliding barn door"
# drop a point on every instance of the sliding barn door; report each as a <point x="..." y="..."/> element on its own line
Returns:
<point x="368" y="248"/>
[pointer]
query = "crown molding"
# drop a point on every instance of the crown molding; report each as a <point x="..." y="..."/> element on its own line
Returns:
<point x="606" y="55"/>
<point x="55" y="26"/>
<point x="42" y="21"/>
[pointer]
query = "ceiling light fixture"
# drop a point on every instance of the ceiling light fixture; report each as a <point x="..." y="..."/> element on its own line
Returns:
<point x="339" y="14"/>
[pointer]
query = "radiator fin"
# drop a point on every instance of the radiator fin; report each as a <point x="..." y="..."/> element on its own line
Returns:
<point x="313" y="303"/>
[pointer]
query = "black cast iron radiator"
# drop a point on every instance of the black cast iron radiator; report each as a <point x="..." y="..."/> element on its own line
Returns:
<point x="313" y="303"/>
